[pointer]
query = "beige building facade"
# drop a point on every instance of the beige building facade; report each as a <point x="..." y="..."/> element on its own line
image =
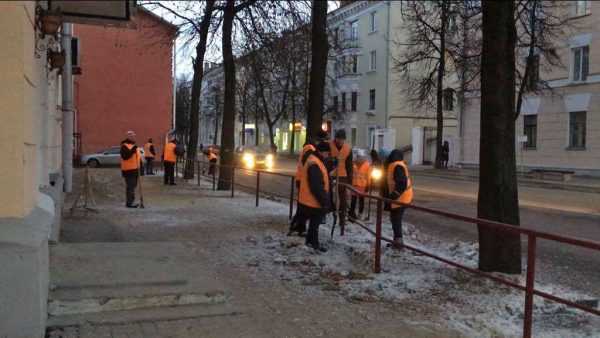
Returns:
<point x="363" y="85"/>
<point x="562" y="125"/>
<point x="31" y="194"/>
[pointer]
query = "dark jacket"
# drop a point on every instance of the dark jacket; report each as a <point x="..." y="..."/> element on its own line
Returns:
<point x="400" y="179"/>
<point x="152" y="150"/>
<point x="126" y="154"/>
<point x="316" y="183"/>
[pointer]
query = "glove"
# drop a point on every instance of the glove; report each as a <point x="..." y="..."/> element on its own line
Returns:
<point x="394" y="195"/>
<point x="297" y="184"/>
<point x="134" y="148"/>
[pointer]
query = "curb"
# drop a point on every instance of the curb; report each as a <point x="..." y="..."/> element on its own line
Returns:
<point x="533" y="184"/>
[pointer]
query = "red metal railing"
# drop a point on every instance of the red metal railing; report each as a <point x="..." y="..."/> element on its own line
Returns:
<point x="532" y="236"/>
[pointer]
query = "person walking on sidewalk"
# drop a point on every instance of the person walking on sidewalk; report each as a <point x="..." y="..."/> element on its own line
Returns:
<point x="342" y="160"/>
<point x="314" y="199"/>
<point x="169" y="160"/>
<point x="149" y="154"/>
<point x="361" y="181"/>
<point x="445" y="154"/>
<point x="131" y="159"/>
<point x="298" y="223"/>
<point x="399" y="189"/>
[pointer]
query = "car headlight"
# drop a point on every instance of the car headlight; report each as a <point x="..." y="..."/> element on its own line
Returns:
<point x="248" y="160"/>
<point x="376" y="174"/>
<point x="269" y="160"/>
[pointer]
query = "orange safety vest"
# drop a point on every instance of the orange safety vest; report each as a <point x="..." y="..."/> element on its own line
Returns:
<point x="362" y="176"/>
<point x="407" y="195"/>
<point x="132" y="163"/>
<point x="341" y="154"/>
<point x="147" y="152"/>
<point x="306" y="197"/>
<point x="302" y="153"/>
<point x="169" y="153"/>
<point x="211" y="156"/>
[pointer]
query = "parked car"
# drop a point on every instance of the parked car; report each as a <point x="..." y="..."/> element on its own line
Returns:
<point x="250" y="156"/>
<point x="109" y="157"/>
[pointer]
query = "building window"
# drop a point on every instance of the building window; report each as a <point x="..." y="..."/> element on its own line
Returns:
<point x="354" y="30"/>
<point x="343" y="102"/>
<point x="530" y="130"/>
<point x="372" y="99"/>
<point x="448" y="97"/>
<point x="353" y="100"/>
<point x="335" y="104"/>
<point x="354" y="64"/>
<point x="582" y="7"/>
<point x="373" y="22"/>
<point x="534" y="72"/>
<point x="577" y="130"/>
<point x="581" y="61"/>
<point x="353" y="136"/>
<point x="373" y="60"/>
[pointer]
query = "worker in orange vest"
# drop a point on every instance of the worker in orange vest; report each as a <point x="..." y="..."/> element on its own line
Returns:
<point x="169" y="160"/>
<point x="212" y="158"/>
<point x="314" y="198"/>
<point x="342" y="159"/>
<point x="149" y="154"/>
<point x="298" y="223"/>
<point x="361" y="181"/>
<point x="130" y="167"/>
<point x="399" y="189"/>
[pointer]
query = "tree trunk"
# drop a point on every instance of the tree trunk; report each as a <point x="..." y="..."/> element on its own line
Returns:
<point x="498" y="195"/>
<point x="439" y="138"/>
<point x="228" y="126"/>
<point x="318" y="69"/>
<point x="293" y="136"/>
<point x="192" y="145"/>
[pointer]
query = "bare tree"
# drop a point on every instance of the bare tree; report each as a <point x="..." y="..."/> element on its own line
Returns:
<point x="432" y="40"/>
<point x="498" y="196"/>
<point x="318" y="68"/>
<point x="197" y="26"/>
<point x="183" y="101"/>
<point x="230" y="12"/>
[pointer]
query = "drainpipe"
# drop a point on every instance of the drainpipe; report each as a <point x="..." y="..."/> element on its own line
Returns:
<point x="67" y="109"/>
<point x="387" y="65"/>
<point x="174" y="80"/>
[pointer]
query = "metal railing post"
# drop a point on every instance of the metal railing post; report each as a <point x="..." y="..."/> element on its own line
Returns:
<point x="215" y="175"/>
<point x="257" y="186"/>
<point x="529" y="286"/>
<point x="292" y="186"/>
<point x="370" y="200"/>
<point x="198" y="163"/>
<point x="378" y="236"/>
<point x="232" y="180"/>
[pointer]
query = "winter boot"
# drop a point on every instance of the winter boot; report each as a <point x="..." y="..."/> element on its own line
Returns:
<point x="352" y="216"/>
<point x="317" y="247"/>
<point x="395" y="246"/>
<point x="133" y="206"/>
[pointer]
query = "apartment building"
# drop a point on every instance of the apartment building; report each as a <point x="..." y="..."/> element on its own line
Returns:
<point x="562" y="125"/>
<point x="365" y="90"/>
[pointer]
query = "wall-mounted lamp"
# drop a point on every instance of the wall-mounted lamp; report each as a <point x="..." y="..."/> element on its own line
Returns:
<point x="48" y="22"/>
<point x="56" y="59"/>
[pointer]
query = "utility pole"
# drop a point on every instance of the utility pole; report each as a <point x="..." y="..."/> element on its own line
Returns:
<point x="67" y="108"/>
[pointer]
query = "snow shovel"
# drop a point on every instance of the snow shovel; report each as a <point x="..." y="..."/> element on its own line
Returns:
<point x="140" y="180"/>
<point x="336" y="200"/>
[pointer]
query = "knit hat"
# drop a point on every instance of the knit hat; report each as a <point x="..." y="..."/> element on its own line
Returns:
<point x="130" y="133"/>
<point x="341" y="134"/>
<point x="323" y="146"/>
<point x="321" y="134"/>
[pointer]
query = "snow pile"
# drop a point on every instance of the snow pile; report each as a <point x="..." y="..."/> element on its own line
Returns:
<point x="448" y="296"/>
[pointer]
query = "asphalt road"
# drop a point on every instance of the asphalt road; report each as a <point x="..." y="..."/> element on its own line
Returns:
<point x="574" y="214"/>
